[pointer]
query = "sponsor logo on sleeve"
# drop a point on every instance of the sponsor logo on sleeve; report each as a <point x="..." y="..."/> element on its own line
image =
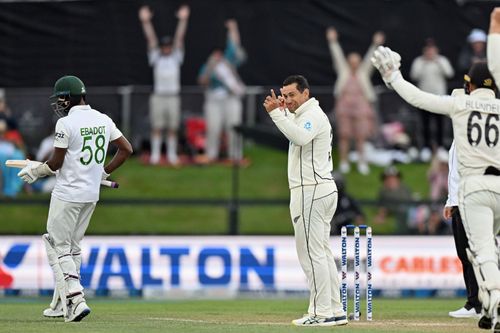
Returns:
<point x="58" y="136"/>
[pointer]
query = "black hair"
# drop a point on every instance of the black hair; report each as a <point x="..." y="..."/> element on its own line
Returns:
<point x="218" y="47"/>
<point x="166" y="41"/>
<point x="430" y="42"/>
<point x="74" y="100"/>
<point x="301" y="82"/>
<point x="390" y="171"/>
<point x="479" y="75"/>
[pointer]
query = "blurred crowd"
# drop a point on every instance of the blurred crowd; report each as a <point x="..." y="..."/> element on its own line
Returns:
<point x="355" y="117"/>
<point x="11" y="147"/>
<point x="363" y="136"/>
<point x="380" y="141"/>
<point x="213" y="138"/>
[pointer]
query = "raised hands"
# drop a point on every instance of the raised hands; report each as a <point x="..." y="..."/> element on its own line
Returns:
<point x="495" y="21"/>
<point x="378" y="38"/>
<point x="231" y="24"/>
<point x="145" y="14"/>
<point x="331" y="34"/>
<point x="272" y="102"/>
<point x="183" y="12"/>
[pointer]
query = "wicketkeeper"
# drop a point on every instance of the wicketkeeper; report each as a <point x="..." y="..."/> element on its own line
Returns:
<point x="476" y="119"/>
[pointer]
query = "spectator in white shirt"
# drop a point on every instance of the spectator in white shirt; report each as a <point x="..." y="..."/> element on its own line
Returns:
<point x="166" y="57"/>
<point x="430" y="71"/>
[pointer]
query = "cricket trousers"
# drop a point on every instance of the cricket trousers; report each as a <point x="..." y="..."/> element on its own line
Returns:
<point x="165" y="111"/>
<point x="461" y="244"/>
<point x="66" y="225"/>
<point x="312" y="208"/>
<point x="222" y="114"/>
<point x="479" y="203"/>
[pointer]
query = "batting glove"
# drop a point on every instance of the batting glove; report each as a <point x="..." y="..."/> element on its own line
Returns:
<point x="34" y="170"/>
<point x="387" y="62"/>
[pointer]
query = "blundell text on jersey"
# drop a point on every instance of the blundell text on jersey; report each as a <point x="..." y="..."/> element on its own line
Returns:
<point x="482" y="106"/>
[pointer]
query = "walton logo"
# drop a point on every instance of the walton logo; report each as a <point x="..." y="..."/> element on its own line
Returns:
<point x="11" y="260"/>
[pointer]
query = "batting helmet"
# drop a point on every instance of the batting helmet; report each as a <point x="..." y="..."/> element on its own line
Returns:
<point x="68" y="92"/>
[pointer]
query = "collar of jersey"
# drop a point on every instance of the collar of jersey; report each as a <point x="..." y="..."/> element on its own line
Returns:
<point x="483" y="93"/>
<point x="78" y="108"/>
<point x="309" y="103"/>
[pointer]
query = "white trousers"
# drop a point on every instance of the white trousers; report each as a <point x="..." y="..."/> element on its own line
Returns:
<point x="312" y="209"/>
<point x="479" y="203"/>
<point x="222" y="113"/>
<point x="66" y="225"/>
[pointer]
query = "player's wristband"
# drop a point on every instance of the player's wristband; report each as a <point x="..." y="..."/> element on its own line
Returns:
<point x="393" y="76"/>
<point x="43" y="170"/>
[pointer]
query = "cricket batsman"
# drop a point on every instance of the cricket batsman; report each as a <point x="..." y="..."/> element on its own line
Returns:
<point x="81" y="140"/>
<point x="475" y="115"/>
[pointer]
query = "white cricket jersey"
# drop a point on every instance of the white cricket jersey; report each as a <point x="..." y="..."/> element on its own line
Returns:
<point x="310" y="151"/>
<point x="166" y="71"/>
<point x="453" y="177"/>
<point x="493" y="55"/>
<point x="86" y="134"/>
<point x="476" y="123"/>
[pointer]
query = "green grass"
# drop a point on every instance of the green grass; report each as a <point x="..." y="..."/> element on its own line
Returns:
<point x="367" y="187"/>
<point x="265" y="178"/>
<point x="241" y="315"/>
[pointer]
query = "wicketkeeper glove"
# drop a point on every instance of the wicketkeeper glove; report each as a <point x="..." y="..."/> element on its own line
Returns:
<point x="34" y="170"/>
<point x="387" y="62"/>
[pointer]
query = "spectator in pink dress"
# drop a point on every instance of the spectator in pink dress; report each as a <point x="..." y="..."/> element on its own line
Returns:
<point x="354" y="94"/>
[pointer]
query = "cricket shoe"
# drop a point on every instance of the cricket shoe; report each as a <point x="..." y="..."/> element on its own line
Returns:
<point x="363" y="168"/>
<point x="77" y="309"/>
<point x="485" y="323"/>
<point x="465" y="313"/>
<point x="491" y="318"/>
<point x="344" y="167"/>
<point x="308" y="320"/>
<point x="495" y="311"/>
<point x="55" y="312"/>
<point x="495" y="323"/>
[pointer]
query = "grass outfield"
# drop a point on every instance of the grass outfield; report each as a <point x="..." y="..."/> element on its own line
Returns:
<point x="265" y="178"/>
<point x="269" y="315"/>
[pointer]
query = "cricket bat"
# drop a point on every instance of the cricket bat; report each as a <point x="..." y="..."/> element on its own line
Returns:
<point x="22" y="163"/>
